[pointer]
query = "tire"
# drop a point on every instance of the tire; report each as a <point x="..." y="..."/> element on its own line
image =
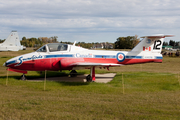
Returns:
<point x="73" y="73"/>
<point x="23" y="77"/>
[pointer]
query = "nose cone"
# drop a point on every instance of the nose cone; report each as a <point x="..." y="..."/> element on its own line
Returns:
<point x="9" y="62"/>
<point x="17" y="61"/>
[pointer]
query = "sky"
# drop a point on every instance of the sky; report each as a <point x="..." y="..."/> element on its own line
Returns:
<point x="89" y="20"/>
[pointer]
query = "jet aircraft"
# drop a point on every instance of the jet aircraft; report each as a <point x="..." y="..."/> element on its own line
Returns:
<point x="57" y="56"/>
<point x="12" y="43"/>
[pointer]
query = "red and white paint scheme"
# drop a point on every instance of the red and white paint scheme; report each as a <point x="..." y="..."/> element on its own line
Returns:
<point x="57" y="56"/>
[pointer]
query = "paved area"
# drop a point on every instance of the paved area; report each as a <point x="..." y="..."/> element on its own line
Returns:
<point x="100" y="78"/>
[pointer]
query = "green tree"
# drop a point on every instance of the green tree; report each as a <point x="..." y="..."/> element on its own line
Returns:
<point x="176" y="43"/>
<point x="172" y="43"/>
<point x="24" y="38"/>
<point x="126" y="42"/>
<point x="1" y="41"/>
<point x="165" y="43"/>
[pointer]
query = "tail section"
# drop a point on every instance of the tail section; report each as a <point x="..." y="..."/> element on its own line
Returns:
<point x="12" y="43"/>
<point x="149" y="49"/>
<point x="151" y="44"/>
<point x="12" y="40"/>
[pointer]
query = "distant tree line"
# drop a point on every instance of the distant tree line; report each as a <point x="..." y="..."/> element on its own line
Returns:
<point x="128" y="42"/>
<point x="82" y="44"/>
<point x="37" y="42"/>
<point x="85" y="45"/>
<point x="171" y="43"/>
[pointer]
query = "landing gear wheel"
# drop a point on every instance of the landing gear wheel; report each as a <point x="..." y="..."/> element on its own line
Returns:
<point x="89" y="78"/>
<point x="73" y="73"/>
<point x="23" y="77"/>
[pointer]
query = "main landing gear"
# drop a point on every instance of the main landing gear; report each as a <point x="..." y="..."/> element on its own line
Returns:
<point x="23" y="77"/>
<point x="73" y="73"/>
<point x="91" y="77"/>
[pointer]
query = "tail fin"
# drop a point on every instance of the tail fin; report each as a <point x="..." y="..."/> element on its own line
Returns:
<point x="12" y="40"/>
<point x="151" y="44"/>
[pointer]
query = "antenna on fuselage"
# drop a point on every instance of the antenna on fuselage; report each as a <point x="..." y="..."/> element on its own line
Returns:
<point x="74" y="43"/>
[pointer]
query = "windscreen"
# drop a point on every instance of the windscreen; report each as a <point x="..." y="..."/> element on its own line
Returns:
<point x="42" y="49"/>
<point x="53" y="47"/>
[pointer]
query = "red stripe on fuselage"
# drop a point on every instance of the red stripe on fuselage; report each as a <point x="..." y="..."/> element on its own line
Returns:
<point x="53" y="64"/>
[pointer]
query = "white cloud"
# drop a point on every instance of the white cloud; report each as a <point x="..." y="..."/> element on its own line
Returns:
<point x="89" y="20"/>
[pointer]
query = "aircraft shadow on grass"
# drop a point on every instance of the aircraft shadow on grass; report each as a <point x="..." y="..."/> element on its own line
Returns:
<point x="61" y="78"/>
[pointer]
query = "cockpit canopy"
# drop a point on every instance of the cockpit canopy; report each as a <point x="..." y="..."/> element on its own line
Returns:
<point x="53" y="47"/>
<point x="42" y="49"/>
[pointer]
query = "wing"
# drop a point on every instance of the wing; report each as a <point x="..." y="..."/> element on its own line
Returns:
<point x="80" y="63"/>
<point x="84" y="64"/>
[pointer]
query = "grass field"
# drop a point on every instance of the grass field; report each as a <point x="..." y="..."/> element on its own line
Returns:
<point x="151" y="91"/>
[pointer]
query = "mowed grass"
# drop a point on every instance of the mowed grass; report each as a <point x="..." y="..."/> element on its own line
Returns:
<point x="151" y="91"/>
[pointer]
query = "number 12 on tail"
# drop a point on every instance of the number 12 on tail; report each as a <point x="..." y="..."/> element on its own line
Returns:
<point x="157" y="45"/>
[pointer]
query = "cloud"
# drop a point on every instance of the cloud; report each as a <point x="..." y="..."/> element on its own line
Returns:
<point x="89" y="20"/>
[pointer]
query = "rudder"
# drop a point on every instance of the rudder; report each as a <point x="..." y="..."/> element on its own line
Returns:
<point x="151" y="44"/>
<point x="12" y="39"/>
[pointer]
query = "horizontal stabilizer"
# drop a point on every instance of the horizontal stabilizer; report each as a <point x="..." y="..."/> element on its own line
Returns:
<point x="157" y="36"/>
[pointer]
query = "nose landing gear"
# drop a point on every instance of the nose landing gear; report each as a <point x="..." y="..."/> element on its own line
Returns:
<point x="23" y="77"/>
